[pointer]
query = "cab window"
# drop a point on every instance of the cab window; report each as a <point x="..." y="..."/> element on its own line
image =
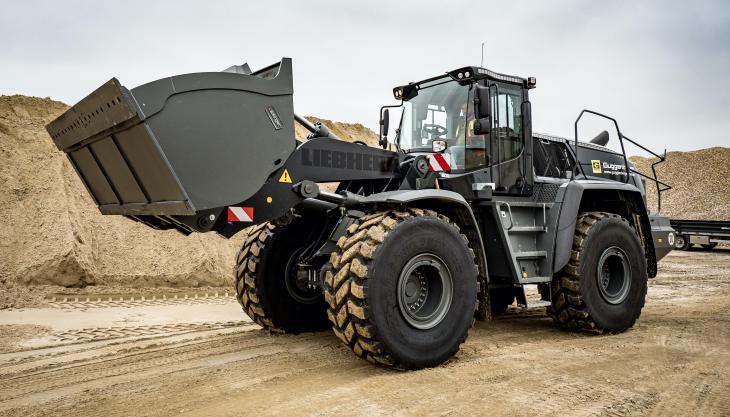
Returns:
<point x="444" y="110"/>
<point x="506" y="122"/>
<point x="438" y="112"/>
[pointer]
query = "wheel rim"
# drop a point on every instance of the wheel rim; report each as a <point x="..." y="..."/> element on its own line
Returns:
<point x="425" y="291"/>
<point x="614" y="275"/>
<point x="294" y="286"/>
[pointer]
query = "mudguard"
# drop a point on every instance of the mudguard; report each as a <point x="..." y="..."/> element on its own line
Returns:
<point x="438" y="200"/>
<point x="571" y="195"/>
<point x="409" y="196"/>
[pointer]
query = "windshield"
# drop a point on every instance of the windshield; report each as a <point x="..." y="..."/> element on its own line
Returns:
<point x="444" y="111"/>
<point x="437" y="112"/>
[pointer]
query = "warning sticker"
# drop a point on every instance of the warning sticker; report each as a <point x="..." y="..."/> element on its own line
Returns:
<point x="240" y="214"/>
<point x="285" y="177"/>
<point x="596" y="165"/>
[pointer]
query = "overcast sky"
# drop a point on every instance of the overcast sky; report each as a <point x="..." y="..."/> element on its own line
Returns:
<point x="661" y="68"/>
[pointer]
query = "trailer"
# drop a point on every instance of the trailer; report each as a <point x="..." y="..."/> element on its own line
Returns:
<point x="706" y="233"/>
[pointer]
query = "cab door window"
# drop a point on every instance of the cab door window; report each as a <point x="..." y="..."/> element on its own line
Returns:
<point x="506" y="122"/>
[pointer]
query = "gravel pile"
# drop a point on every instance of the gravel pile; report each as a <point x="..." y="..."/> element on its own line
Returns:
<point x="700" y="181"/>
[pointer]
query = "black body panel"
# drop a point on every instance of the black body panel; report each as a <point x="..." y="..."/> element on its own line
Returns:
<point x="318" y="160"/>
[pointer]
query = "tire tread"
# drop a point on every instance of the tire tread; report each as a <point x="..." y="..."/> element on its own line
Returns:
<point x="246" y="278"/>
<point x="568" y="308"/>
<point x="346" y="283"/>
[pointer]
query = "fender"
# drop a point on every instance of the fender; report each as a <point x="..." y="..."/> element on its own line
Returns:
<point x="444" y="201"/>
<point x="572" y="198"/>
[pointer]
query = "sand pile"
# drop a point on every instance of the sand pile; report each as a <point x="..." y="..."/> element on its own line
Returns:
<point x="54" y="234"/>
<point x="346" y="131"/>
<point x="700" y="181"/>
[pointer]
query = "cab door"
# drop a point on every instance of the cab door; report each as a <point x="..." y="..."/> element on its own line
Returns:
<point x="510" y="159"/>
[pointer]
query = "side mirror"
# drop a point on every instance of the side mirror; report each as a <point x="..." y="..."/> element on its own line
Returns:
<point x="482" y="110"/>
<point x="384" y="121"/>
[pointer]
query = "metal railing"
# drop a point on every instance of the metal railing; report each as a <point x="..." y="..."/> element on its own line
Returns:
<point x="660" y="186"/>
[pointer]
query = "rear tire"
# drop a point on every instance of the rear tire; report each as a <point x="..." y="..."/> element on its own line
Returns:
<point x="402" y="289"/>
<point x="603" y="287"/>
<point x="261" y="273"/>
<point x="709" y="246"/>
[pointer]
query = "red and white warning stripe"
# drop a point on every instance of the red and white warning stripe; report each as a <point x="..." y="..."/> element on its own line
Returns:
<point x="438" y="162"/>
<point x="240" y="214"/>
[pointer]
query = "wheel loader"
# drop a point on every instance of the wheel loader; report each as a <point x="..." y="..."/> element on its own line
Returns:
<point x="459" y="214"/>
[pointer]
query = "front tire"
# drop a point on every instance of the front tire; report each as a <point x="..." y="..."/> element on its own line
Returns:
<point x="264" y="286"/>
<point x="603" y="287"/>
<point x="402" y="289"/>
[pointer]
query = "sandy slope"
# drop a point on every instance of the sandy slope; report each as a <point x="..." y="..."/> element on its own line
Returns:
<point x="54" y="234"/>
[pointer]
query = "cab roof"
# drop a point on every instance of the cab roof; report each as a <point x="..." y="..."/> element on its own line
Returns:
<point x="464" y="75"/>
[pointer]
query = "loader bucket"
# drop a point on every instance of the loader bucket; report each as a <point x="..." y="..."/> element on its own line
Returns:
<point x="183" y="144"/>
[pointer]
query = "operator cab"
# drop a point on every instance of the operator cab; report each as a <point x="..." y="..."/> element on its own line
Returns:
<point x="478" y="119"/>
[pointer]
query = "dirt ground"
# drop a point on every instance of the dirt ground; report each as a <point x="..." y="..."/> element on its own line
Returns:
<point x="199" y="355"/>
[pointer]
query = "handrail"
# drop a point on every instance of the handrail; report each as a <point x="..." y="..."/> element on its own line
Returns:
<point x="660" y="159"/>
<point x="615" y="123"/>
<point x="621" y="137"/>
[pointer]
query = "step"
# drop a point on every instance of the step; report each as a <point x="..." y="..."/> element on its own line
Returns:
<point x="535" y="280"/>
<point x="536" y="304"/>
<point x="527" y="229"/>
<point x="531" y="254"/>
<point x="526" y="204"/>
